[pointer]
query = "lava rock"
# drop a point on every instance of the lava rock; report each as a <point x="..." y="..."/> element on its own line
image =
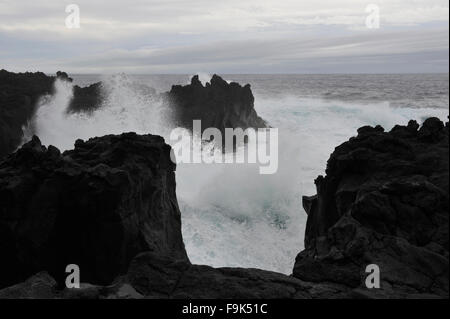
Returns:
<point x="63" y="76"/>
<point x="155" y="275"/>
<point x="218" y="104"/>
<point x="39" y="286"/>
<point x="96" y="206"/>
<point x="19" y="94"/>
<point x="384" y="201"/>
<point x="158" y="276"/>
<point x="86" y="99"/>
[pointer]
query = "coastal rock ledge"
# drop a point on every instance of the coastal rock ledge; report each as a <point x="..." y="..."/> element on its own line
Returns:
<point x="384" y="201"/>
<point x="110" y="207"/>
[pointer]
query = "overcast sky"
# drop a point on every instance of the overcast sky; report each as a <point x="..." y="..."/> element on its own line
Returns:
<point x="227" y="36"/>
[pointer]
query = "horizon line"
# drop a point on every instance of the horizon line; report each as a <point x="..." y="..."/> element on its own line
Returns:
<point x="225" y="73"/>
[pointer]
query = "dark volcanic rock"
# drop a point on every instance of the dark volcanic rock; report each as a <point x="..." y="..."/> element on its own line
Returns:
<point x="19" y="93"/>
<point x="90" y="98"/>
<point x="39" y="286"/>
<point x="218" y="104"/>
<point x="86" y="99"/>
<point x="63" y="76"/>
<point x="96" y="206"/>
<point x="385" y="201"/>
<point x="44" y="286"/>
<point x="158" y="276"/>
<point x="153" y="275"/>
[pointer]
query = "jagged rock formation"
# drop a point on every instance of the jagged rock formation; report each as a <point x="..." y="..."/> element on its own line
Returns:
<point x="96" y="206"/>
<point x="385" y="201"/>
<point x="86" y="99"/>
<point x="19" y="93"/>
<point x="217" y="104"/>
<point x="90" y="98"/>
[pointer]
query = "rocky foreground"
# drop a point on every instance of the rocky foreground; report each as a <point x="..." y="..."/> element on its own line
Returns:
<point x="384" y="201"/>
<point x="110" y="206"/>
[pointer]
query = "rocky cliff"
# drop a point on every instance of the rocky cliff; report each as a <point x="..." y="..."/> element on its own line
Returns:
<point x="19" y="93"/>
<point x="86" y="99"/>
<point x="384" y="201"/>
<point x="96" y="206"/>
<point x="217" y="104"/>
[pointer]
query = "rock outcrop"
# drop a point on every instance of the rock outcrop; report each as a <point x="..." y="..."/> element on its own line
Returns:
<point x="90" y="98"/>
<point x="96" y="206"/>
<point x="19" y="93"/>
<point x="217" y="104"/>
<point x="86" y="99"/>
<point x="384" y="201"/>
<point x="156" y="276"/>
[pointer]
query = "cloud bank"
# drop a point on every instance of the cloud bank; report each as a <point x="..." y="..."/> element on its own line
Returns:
<point x="173" y="36"/>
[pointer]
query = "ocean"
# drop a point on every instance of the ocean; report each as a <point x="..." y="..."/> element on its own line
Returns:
<point x="232" y="215"/>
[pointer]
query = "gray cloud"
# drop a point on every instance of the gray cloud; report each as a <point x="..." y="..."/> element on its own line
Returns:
<point x="228" y="37"/>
